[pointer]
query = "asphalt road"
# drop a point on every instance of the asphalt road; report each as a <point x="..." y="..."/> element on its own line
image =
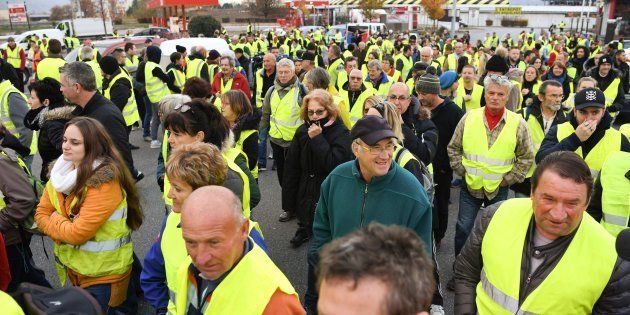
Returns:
<point x="277" y="235"/>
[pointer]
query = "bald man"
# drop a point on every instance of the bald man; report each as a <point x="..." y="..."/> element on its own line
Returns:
<point x="228" y="268"/>
<point x="353" y="95"/>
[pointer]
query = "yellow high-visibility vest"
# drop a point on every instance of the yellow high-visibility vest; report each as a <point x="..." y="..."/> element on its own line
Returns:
<point x="156" y="89"/>
<point x="108" y="252"/>
<point x="49" y="68"/>
<point x="502" y="251"/>
<point x="13" y="56"/>
<point x="475" y="97"/>
<point x="130" y="111"/>
<point x="615" y="188"/>
<point x="285" y="115"/>
<point x="245" y="290"/>
<point x="485" y="166"/>
<point x="611" y="142"/>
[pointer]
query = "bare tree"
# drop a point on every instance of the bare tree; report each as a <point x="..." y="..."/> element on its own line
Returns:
<point x="369" y="6"/>
<point x="88" y="8"/>
<point x="60" y="12"/>
<point x="263" y="7"/>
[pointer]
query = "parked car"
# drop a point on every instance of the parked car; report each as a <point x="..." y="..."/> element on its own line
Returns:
<point x="311" y="28"/>
<point x="161" y="32"/>
<point x="106" y="47"/>
<point x="218" y="44"/>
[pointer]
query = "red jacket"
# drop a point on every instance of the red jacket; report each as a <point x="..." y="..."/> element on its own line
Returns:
<point x="5" y="273"/>
<point x="239" y="83"/>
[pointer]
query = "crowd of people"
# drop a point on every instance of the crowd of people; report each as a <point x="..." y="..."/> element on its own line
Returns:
<point x="368" y="135"/>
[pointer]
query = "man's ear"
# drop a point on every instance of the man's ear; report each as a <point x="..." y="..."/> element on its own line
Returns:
<point x="355" y="149"/>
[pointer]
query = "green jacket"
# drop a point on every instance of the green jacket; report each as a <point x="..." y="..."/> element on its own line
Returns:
<point x="346" y="203"/>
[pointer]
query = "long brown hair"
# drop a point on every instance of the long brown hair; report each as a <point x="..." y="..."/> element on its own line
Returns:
<point x="98" y="145"/>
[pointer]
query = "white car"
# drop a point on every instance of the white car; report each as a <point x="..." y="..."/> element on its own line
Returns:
<point x="218" y="44"/>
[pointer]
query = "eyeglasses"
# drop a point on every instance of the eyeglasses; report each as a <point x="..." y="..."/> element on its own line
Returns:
<point x="398" y="97"/>
<point x="182" y="108"/>
<point x="376" y="150"/>
<point x="319" y="112"/>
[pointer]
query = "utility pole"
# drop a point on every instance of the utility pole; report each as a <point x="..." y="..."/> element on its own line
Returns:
<point x="28" y="19"/>
<point x="10" y="22"/>
<point x="103" y="17"/>
<point x="454" y="9"/>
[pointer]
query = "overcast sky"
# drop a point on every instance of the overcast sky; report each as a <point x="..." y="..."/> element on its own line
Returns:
<point x="43" y="6"/>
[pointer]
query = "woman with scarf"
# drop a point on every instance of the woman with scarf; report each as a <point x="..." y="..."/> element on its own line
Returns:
<point x="48" y="115"/>
<point x="558" y="72"/>
<point x="243" y="120"/>
<point x="89" y="208"/>
<point x="319" y="145"/>
<point x="531" y="83"/>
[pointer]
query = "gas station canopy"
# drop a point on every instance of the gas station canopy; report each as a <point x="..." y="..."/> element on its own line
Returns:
<point x="418" y="2"/>
<point x="154" y="4"/>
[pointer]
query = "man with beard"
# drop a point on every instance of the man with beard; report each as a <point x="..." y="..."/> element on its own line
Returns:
<point x="587" y="132"/>
<point x="514" y="59"/>
<point x="445" y="115"/>
<point x="541" y="116"/>
<point x="580" y="55"/>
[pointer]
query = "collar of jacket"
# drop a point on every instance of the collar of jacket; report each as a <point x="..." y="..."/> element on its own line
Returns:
<point x="282" y="87"/>
<point x="377" y="182"/>
<point x="382" y="79"/>
<point x="603" y="125"/>
<point x="91" y="105"/>
<point x="346" y="86"/>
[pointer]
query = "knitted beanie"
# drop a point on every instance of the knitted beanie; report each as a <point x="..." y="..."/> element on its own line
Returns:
<point x="429" y="84"/>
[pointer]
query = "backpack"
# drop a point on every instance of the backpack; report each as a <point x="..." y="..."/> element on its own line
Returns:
<point x="427" y="177"/>
<point x="38" y="300"/>
<point x="28" y="224"/>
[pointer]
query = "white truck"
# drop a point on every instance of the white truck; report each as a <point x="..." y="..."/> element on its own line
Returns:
<point x="86" y="27"/>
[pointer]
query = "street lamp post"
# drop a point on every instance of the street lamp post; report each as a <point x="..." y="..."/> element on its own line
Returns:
<point x="454" y="9"/>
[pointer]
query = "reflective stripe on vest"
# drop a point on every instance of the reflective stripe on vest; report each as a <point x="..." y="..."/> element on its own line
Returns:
<point x="180" y="77"/>
<point x="538" y="134"/>
<point x="193" y="68"/>
<point x="230" y="155"/>
<point x="245" y="134"/>
<point x="49" y="68"/>
<point x="485" y="166"/>
<point x="245" y="290"/>
<point x="611" y="142"/>
<point x="6" y="88"/>
<point x="285" y="115"/>
<point x="13" y="56"/>
<point x="108" y="252"/>
<point x="174" y="253"/>
<point x="356" y="109"/>
<point x="475" y="97"/>
<point x="130" y="111"/>
<point x="342" y="78"/>
<point x="611" y="91"/>
<point x="259" y="86"/>
<point x="502" y="252"/>
<point x="615" y="192"/>
<point x="156" y="89"/>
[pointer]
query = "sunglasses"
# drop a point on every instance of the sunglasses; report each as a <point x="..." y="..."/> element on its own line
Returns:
<point x="319" y="112"/>
<point x="182" y="108"/>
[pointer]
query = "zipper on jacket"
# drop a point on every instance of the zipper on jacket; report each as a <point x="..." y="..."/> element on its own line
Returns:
<point x="363" y="206"/>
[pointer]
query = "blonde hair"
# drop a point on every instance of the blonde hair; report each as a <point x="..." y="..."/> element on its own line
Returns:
<point x="390" y="113"/>
<point x="371" y="101"/>
<point x="198" y="164"/>
<point x="324" y="98"/>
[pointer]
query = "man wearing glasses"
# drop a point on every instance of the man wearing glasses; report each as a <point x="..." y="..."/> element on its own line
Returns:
<point x="491" y="149"/>
<point x="354" y="93"/>
<point x="369" y="189"/>
<point x="421" y="135"/>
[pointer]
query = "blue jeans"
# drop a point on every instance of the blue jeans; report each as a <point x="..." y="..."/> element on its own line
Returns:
<point x="262" y="147"/>
<point x="102" y="293"/>
<point x="148" y="114"/>
<point x="468" y="208"/>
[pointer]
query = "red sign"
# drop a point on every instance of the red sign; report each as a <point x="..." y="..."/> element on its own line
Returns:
<point x="17" y="12"/>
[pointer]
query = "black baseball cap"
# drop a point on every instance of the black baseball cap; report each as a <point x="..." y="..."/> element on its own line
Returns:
<point x="590" y="97"/>
<point x="605" y="59"/>
<point x="371" y="129"/>
<point x="307" y="55"/>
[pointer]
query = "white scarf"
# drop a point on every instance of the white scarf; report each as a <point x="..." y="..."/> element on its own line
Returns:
<point x="63" y="175"/>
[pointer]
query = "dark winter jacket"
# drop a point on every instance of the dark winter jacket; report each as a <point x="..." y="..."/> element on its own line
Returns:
<point x="154" y="54"/>
<point x="615" y="299"/>
<point x="19" y="197"/>
<point x="50" y="122"/>
<point x="604" y="82"/>
<point x="103" y="110"/>
<point x="250" y="145"/>
<point x="445" y="117"/>
<point x="421" y="135"/>
<point x="120" y="91"/>
<point x="571" y="143"/>
<point x="535" y="111"/>
<point x="309" y="161"/>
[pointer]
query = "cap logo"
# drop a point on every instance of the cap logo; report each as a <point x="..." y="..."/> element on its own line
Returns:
<point x="591" y="95"/>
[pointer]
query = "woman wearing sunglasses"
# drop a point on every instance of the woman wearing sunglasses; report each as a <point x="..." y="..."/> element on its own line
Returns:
<point x="320" y="145"/>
